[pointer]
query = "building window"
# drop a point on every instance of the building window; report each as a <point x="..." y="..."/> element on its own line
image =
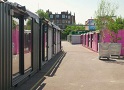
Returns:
<point x="57" y="21"/>
<point x="63" y="21"/>
<point x="68" y="22"/>
<point x="63" y="16"/>
<point x="51" y="16"/>
<point x="63" y="26"/>
<point x="68" y="17"/>
<point x="57" y="16"/>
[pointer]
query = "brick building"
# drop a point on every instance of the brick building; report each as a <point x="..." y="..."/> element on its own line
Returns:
<point x="63" y="19"/>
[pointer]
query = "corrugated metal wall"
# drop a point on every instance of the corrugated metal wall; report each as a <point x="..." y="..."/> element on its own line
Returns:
<point x="50" y="30"/>
<point x="36" y="32"/>
<point x="5" y="47"/>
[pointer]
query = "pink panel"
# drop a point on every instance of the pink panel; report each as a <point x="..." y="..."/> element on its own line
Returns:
<point x="82" y="39"/>
<point x="120" y="34"/>
<point x="105" y="39"/>
<point x="86" y="40"/>
<point x="15" y="41"/>
<point x="107" y="36"/>
<point x="95" y="41"/>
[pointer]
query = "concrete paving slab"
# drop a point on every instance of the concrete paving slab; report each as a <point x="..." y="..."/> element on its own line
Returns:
<point x="81" y="69"/>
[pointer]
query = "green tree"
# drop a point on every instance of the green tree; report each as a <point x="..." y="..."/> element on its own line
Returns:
<point x="42" y="14"/>
<point x="14" y="24"/>
<point x="104" y="14"/>
<point x="114" y="26"/>
<point x="71" y="29"/>
<point x="28" y="25"/>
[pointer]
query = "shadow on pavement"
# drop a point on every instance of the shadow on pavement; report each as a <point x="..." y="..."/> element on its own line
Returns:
<point x="52" y="72"/>
<point x="49" y="69"/>
<point x="114" y="61"/>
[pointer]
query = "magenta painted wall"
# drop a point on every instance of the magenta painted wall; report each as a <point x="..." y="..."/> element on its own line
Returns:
<point x="15" y="41"/>
<point x="120" y="34"/>
<point x="87" y="40"/>
<point x="95" y="42"/>
<point x="106" y="36"/>
<point x="90" y="41"/>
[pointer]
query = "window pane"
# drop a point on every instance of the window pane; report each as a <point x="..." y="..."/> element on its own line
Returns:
<point x="51" y="16"/>
<point x="63" y="16"/>
<point x="54" y="41"/>
<point x="57" y="16"/>
<point x="15" y="46"/>
<point x="45" y="41"/>
<point x="68" y="17"/>
<point x="27" y="44"/>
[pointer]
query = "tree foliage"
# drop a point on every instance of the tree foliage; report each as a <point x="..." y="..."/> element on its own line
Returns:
<point x="105" y="12"/>
<point x="42" y="14"/>
<point x="28" y="25"/>
<point x="71" y="29"/>
<point x="104" y="17"/>
<point x="14" y="24"/>
<point x="114" y="26"/>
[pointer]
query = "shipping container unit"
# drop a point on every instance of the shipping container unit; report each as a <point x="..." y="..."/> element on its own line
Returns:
<point x="26" y="42"/>
<point x="15" y="63"/>
<point x="54" y="40"/>
<point x="58" y="40"/>
<point x="87" y="37"/>
<point x="76" y="39"/>
<point x="95" y="42"/>
<point x="47" y="35"/>
<point x="98" y="42"/>
<point x="90" y="40"/>
<point x="84" y="39"/>
<point x="5" y="46"/>
<point x="15" y="43"/>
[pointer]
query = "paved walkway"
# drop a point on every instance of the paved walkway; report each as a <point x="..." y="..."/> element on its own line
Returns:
<point x="80" y="69"/>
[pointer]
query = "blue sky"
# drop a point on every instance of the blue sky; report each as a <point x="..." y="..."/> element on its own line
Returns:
<point x="83" y="9"/>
